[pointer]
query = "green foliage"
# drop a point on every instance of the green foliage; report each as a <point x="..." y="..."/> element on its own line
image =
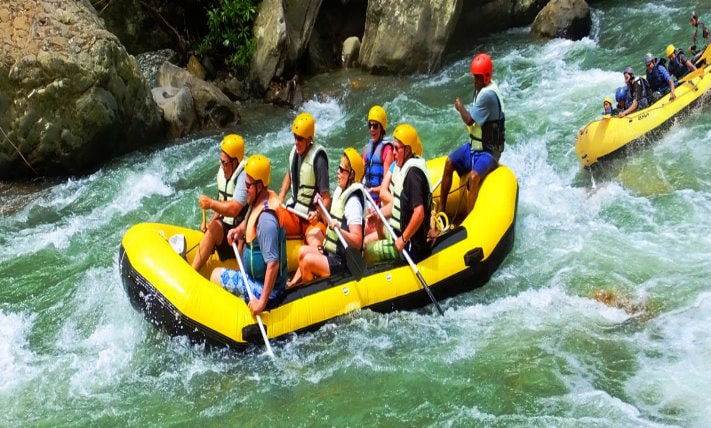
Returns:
<point x="230" y="32"/>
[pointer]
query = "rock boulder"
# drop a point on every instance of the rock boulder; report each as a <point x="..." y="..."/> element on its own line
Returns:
<point x="70" y="95"/>
<point x="213" y="108"/>
<point x="568" y="19"/>
<point x="406" y="37"/>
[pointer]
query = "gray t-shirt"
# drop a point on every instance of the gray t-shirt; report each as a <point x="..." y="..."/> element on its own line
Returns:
<point x="268" y="236"/>
<point x="485" y="108"/>
<point x="240" y="194"/>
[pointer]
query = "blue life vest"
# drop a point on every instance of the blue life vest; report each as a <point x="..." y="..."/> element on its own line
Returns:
<point x="374" y="167"/>
<point x="657" y="79"/>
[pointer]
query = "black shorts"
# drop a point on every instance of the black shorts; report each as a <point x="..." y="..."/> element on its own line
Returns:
<point x="224" y="250"/>
<point x="336" y="264"/>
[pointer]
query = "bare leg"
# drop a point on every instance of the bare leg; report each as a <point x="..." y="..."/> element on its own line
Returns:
<point x="473" y="186"/>
<point x="295" y="280"/>
<point x="215" y="276"/>
<point x="313" y="264"/>
<point x="212" y="237"/>
<point x="308" y="265"/>
<point x="371" y="237"/>
<point x="315" y="237"/>
<point x="446" y="184"/>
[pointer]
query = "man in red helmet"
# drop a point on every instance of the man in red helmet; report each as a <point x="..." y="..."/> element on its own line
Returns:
<point x="485" y="123"/>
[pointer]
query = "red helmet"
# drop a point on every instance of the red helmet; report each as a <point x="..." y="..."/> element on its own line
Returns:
<point x="481" y="64"/>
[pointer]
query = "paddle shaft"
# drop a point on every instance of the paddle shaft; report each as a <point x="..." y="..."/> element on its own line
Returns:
<point x="406" y="254"/>
<point x="295" y="212"/>
<point x="338" y="231"/>
<point x="251" y="297"/>
<point x="354" y="258"/>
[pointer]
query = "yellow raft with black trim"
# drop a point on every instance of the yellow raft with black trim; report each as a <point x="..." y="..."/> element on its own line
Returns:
<point x="611" y="136"/>
<point x="182" y="301"/>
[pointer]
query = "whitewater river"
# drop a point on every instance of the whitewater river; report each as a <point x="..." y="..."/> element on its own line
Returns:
<point x="533" y="347"/>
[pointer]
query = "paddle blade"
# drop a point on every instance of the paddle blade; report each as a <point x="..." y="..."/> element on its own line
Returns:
<point x="355" y="263"/>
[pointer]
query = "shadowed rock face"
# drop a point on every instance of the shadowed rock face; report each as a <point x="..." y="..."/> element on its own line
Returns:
<point x="397" y="36"/>
<point x="70" y="95"/>
<point x="568" y="19"/>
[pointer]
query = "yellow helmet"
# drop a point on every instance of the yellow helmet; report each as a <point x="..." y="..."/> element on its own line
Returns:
<point x="417" y="150"/>
<point x="233" y="145"/>
<point x="407" y="135"/>
<point x="259" y="168"/>
<point x="670" y="50"/>
<point x="304" y="126"/>
<point x="377" y="114"/>
<point x="356" y="161"/>
<point x="607" y="100"/>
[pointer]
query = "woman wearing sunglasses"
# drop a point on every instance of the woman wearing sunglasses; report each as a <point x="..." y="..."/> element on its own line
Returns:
<point x="347" y="217"/>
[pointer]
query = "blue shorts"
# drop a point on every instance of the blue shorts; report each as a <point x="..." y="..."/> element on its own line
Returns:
<point x="231" y="280"/>
<point x="465" y="160"/>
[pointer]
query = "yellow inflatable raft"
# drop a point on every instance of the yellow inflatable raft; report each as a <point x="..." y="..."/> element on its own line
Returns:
<point x="610" y="136"/>
<point x="162" y="285"/>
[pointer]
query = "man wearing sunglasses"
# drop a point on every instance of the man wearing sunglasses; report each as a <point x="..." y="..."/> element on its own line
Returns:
<point x="659" y="78"/>
<point x="264" y="256"/>
<point x="306" y="176"/>
<point x="229" y="207"/>
<point x="410" y="209"/>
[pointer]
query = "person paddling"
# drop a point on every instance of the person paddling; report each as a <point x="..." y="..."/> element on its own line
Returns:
<point x="347" y="219"/>
<point x="679" y="64"/>
<point x="306" y="175"/>
<point x="264" y="236"/>
<point x="229" y="207"/>
<point x="637" y="90"/>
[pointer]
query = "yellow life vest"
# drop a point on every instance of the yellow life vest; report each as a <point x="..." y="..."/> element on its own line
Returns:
<point x="303" y="182"/>
<point x="398" y="180"/>
<point x="338" y="209"/>
<point x="492" y="141"/>
<point x="226" y="188"/>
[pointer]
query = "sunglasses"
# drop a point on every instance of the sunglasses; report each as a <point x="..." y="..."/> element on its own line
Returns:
<point x="373" y="125"/>
<point x="249" y="184"/>
<point x="227" y="162"/>
<point x="341" y="170"/>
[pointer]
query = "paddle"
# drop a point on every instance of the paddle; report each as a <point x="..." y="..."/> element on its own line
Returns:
<point x="203" y="226"/>
<point x="412" y="264"/>
<point x="251" y="297"/>
<point x="295" y="212"/>
<point x="354" y="258"/>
